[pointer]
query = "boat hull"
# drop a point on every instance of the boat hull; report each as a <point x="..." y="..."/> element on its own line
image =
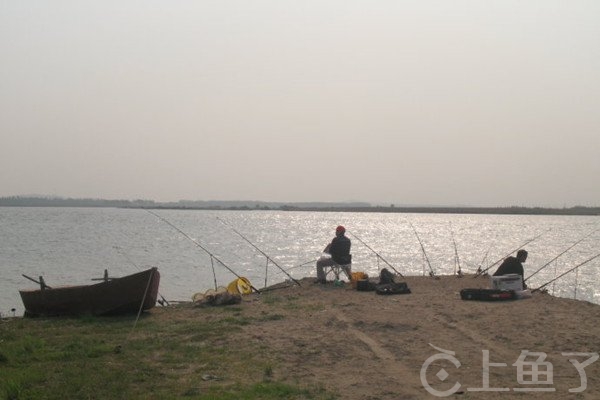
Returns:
<point x="116" y="296"/>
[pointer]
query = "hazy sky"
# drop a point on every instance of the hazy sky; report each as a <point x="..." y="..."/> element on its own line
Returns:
<point x="484" y="103"/>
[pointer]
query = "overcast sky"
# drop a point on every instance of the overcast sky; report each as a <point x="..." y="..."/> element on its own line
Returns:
<point x="483" y="103"/>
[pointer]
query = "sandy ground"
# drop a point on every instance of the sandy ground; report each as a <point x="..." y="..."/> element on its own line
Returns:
<point x="365" y="346"/>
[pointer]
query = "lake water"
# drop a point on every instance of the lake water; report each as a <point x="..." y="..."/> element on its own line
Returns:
<point x="73" y="245"/>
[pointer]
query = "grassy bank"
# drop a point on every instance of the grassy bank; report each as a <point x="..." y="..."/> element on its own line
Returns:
<point x="173" y="353"/>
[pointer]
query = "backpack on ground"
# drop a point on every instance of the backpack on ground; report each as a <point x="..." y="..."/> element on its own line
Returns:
<point x="385" y="277"/>
<point x="387" y="284"/>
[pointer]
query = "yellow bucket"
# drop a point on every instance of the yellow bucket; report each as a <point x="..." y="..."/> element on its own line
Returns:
<point x="240" y="285"/>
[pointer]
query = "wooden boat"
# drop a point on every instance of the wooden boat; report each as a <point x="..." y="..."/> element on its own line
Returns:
<point x="112" y="296"/>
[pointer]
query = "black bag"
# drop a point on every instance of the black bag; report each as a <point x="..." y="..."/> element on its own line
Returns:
<point x="392" y="288"/>
<point x="364" y="285"/>
<point x="385" y="276"/>
<point x="487" y="294"/>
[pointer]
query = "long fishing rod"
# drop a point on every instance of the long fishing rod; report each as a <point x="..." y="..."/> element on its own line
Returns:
<point x="569" y="248"/>
<point x="564" y="273"/>
<point x="377" y="254"/>
<point x="478" y="273"/>
<point x="259" y="250"/>
<point x="431" y="273"/>
<point x="456" y="258"/>
<point x="199" y="245"/>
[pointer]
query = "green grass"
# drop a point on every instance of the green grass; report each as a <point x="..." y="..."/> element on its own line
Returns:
<point x="103" y="358"/>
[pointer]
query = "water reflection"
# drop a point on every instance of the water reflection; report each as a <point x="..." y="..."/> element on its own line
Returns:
<point x="72" y="245"/>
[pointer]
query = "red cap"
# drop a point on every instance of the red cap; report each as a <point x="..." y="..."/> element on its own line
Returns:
<point x="340" y="229"/>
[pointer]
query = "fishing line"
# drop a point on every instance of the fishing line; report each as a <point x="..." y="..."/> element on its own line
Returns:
<point x="524" y="244"/>
<point x="259" y="250"/>
<point x="564" y="273"/>
<point x="200" y="246"/>
<point x="569" y="248"/>
<point x="379" y="257"/>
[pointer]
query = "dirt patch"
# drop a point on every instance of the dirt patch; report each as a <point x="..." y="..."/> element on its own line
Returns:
<point x="365" y="346"/>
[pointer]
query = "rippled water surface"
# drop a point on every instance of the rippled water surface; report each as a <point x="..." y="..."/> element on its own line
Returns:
<point x="73" y="245"/>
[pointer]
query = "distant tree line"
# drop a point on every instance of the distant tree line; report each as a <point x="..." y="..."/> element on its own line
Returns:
<point x="512" y="210"/>
<point x="34" y="201"/>
<point x="19" y="201"/>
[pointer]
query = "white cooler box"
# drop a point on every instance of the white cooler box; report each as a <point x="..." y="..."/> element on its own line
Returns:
<point x="507" y="282"/>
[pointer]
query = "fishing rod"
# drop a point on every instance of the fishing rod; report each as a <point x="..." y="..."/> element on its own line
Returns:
<point x="376" y="253"/>
<point x="202" y="247"/>
<point x="564" y="273"/>
<point x="456" y="258"/>
<point x="569" y="248"/>
<point x="478" y="273"/>
<point x="431" y="273"/>
<point x="259" y="250"/>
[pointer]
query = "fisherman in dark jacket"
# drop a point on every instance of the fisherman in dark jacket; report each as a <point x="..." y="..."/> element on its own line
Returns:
<point x="339" y="248"/>
<point x="513" y="265"/>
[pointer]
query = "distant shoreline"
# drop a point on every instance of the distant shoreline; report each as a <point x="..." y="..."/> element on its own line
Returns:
<point x="305" y="206"/>
<point x="581" y="211"/>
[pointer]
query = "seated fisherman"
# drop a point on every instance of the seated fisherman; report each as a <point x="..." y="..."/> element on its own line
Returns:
<point x="339" y="248"/>
<point x="513" y="265"/>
